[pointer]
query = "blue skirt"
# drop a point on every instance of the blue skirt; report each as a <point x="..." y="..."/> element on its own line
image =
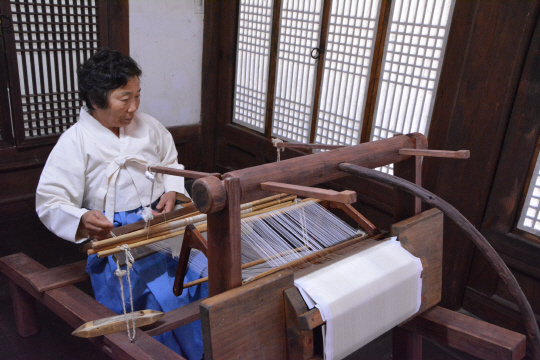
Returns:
<point x="152" y="281"/>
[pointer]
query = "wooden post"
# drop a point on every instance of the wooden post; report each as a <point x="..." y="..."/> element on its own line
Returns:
<point x="406" y="345"/>
<point x="407" y="205"/>
<point x="224" y="247"/>
<point x="24" y="307"/>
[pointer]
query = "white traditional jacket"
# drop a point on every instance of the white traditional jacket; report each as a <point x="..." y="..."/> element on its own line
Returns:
<point x="90" y="168"/>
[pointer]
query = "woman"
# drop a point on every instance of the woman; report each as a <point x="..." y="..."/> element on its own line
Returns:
<point x="94" y="180"/>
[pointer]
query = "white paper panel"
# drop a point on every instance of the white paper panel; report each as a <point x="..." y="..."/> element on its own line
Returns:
<point x="296" y="70"/>
<point x="52" y="38"/>
<point x="253" y="56"/>
<point x="414" y="51"/>
<point x="347" y="66"/>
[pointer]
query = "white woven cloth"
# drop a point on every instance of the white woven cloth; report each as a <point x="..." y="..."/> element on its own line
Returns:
<point x="364" y="295"/>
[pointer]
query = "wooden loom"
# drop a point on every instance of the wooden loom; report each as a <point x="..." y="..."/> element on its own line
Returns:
<point x="277" y="324"/>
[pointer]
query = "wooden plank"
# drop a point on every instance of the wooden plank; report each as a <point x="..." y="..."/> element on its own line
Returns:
<point x="17" y="267"/>
<point x="459" y="154"/>
<point x="247" y="322"/>
<point x="59" y="276"/>
<point x="474" y="336"/>
<point x="175" y="319"/>
<point x="299" y="341"/>
<point x="422" y="236"/>
<point x="346" y="196"/>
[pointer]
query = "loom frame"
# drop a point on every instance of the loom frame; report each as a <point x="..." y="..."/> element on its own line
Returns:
<point x="221" y="201"/>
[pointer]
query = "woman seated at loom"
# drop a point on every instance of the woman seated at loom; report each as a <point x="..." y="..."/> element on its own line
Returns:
<point x="94" y="180"/>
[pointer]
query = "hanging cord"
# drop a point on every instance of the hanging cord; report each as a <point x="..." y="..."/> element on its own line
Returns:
<point x="276" y="141"/>
<point x="120" y="273"/>
<point x="146" y="212"/>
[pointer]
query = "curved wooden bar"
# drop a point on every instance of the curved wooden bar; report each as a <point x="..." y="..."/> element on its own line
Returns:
<point x="306" y="170"/>
<point x="478" y="239"/>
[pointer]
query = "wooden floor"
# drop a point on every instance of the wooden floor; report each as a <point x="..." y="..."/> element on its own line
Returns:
<point x="54" y="341"/>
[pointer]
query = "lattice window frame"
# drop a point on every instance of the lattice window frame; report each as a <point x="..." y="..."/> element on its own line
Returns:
<point x="53" y="37"/>
<point x="361" y="126"/>
<point x="529" y="220"/>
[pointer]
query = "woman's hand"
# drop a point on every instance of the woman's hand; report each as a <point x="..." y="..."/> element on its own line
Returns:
<point x="166" y="203"/>
<point x="96" y="224"/>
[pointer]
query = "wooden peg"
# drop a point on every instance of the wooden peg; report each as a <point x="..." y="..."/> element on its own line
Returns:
<point x="192" y="240"/>
<point x="345" y="197"/>
<point x="460" y="154"/>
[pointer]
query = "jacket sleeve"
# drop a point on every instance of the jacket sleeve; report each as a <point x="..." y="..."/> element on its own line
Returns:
<point x="60" y="190"/>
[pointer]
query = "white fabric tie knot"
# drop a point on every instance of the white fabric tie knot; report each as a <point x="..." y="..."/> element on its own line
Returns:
<point x="121" y="161"/>
<point x="109" y="193"/>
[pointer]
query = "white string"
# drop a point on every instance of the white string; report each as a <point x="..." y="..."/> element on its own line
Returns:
<point x="280" y="236"/>
<point x="120" y="273"/>
<point x="146" y="212"/>
<point x="276" y="141"/>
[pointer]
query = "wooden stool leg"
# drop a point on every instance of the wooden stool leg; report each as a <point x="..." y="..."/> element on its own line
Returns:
<point x="24" y="307"/>
<point x="406" y="345"/>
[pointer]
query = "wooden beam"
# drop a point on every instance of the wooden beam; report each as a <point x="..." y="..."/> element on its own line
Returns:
<point x="468" y="334"/>
<point x="59" y="276"/>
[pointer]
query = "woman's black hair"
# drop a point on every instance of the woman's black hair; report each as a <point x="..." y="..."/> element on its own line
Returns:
<point x="102" y="73"/>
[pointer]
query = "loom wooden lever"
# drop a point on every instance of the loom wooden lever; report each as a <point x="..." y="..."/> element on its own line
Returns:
<point x="356" y="216"/>
<point x="284" y="145"/>
<point x="460" y="154"/>
<point x="345" y="197"/>
<point x="192" y="240"/>
<point x="185" y="173"/>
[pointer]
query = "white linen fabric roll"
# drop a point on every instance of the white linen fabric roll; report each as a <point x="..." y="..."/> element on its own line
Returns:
<point x="363" y="296"/>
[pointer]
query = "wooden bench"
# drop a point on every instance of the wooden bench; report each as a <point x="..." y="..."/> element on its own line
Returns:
<point x="31" y="282"/>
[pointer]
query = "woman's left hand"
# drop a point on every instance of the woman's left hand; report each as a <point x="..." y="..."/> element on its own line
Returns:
<point x="166" y="203"/>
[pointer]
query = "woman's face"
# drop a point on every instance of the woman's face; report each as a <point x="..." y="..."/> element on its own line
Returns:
<point x="123" y="102"/>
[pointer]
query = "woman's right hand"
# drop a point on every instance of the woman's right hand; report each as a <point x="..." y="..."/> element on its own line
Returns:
<point x="96" y="225"/>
